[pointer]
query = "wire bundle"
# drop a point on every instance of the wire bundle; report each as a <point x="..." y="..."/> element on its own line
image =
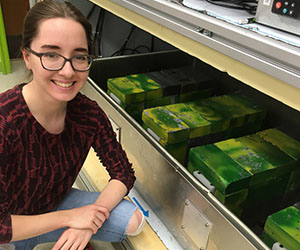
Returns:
<point x="98" y="29"/>
<point x="123" y="49"/>
<point x="248" y="5"/>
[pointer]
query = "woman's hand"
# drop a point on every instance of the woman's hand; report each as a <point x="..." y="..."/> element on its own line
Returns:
<point x="73" y="239"/>
<point x="87" y="217"/>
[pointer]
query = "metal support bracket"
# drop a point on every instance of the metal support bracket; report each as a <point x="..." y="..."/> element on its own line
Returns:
<point x="196" y="225"/>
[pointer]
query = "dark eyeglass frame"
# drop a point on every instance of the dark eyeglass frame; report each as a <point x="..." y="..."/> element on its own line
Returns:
<point x="40" y="55"/>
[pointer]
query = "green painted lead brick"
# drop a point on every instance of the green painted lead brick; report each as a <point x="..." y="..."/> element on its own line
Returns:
<point x="187" y="84"/>
<point x="284" y="227"/>
<point x="151" y="88"/>
<point x="235" y="108"/>
<point x="169" y="85"/>
<point x="228" y="111"/>
<point x="292" y="192"/>
<point x="255" y="164"/>
<point x="177" y="150"/>
<point x="294" y="184"/>
<point x="267" y="163"/>
<point x="175" y="73"/>
<point x="269" y="152"/>
<point x="234" y="201"/>
<point x="281" y="140"/>
<point x="265" y="184"/>
<point x="191" y="168"/>
<point x="274" y="181"/>
<point x="162" y="101"/>
<point x="223" y="172"/>
<point x="267" y="240"/>
<point x="218" y="121"/>
<point x="125" y="90"/>
<point x="165" y="124"/>
<point x="246" y="129"/>
<point x="117" y="99"/>
<point x="254" y="111"/>
<point x="199" y="76"/>
<point x="193" y="95"/>
<point x="197" y="124"/>
<point x="133" y="109"/>
<point x="238" y="197"/>
<point x="292" y="148"/>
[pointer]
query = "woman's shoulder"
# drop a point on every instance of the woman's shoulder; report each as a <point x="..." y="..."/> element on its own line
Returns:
<point x="9" y="99"/>
<point x="83" y="103"/>
<point x="10" y="108"/>
<point x="11" y="92"/>
<point x="86" y="107"/>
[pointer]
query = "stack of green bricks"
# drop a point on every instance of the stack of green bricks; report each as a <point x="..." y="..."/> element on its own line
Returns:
<point x="167" y="128"/>
<point x="283" y="227"/>
<point x="131" y="92"/>
<point x="253" y="174"/>
<point x="180" y="86"/>
<point x="175" y="126"/>
<point x="233" y="114"/>
<point x="290" y="147"/>
<point x="139" y="91"/>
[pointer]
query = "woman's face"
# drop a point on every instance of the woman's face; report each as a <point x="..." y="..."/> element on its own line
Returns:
<point x="67" y="38"/>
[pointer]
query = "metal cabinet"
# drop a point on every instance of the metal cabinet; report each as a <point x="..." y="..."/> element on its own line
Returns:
<point x="186" y="207"/>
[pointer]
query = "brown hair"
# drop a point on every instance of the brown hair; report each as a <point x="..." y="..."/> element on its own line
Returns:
<point x="51" y="9"/>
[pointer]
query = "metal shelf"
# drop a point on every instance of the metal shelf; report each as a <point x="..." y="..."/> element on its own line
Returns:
<point x="266" y="54"/>
<point x="245" y="55"/>
<point x="261" y="62"/>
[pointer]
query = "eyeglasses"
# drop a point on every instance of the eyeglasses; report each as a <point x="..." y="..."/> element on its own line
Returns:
<point x="53" y="61"/>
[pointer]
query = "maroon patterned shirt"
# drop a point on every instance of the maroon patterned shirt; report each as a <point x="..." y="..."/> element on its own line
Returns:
<point x="37" y="169"/>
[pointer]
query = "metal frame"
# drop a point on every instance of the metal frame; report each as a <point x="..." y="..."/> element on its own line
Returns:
<point x="153" y="161"/>
<point x="268" y="55"/>
<point x="166" y="196"/>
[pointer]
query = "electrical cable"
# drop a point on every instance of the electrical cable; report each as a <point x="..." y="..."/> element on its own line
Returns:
<point x="98" y="32"/>
<point x="139" y="47"/>
<point x="134" y="51"/>
<point x="152" y="43"/>
<point x="248" y="5"/>
<point x="91" y="11"/>
<point x="127" y="39"/>
<point x="123" y="47"/>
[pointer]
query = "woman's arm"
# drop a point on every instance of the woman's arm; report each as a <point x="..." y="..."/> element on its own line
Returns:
<point x="112" y="194"/>
<point x="87" y="217"/>
<point x="111" y="153"/>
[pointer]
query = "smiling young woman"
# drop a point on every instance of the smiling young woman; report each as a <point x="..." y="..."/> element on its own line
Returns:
<point x="53" y="85"/>
<point x="46" y="131"/>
